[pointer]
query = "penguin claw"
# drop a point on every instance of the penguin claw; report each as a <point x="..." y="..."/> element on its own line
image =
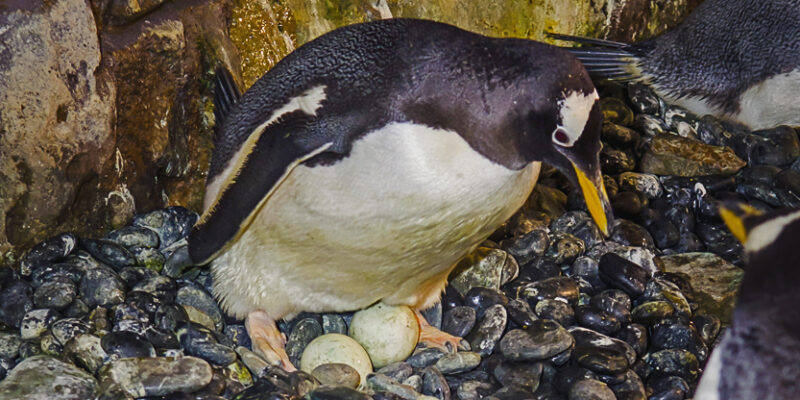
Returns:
<point x="433" y="337"/>
<point x="268" y="341"/>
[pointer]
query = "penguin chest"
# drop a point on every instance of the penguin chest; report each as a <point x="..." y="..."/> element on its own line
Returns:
<point x="388" y="221"/>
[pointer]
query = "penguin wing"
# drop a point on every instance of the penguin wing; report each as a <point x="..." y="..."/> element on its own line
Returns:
<point x="259" y="166"/>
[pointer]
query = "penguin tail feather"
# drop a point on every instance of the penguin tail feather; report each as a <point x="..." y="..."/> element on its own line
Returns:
<point x="604" y="59"/>
<point x="226" y="94"/>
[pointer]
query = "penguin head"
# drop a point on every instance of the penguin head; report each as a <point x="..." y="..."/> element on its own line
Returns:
<point x="563" y="129"/>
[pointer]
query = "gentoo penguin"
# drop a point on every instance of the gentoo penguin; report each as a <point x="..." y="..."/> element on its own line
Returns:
<point x="735" y="59"/>
<point x="757" y="357"/>
<point x="366" y="163"/>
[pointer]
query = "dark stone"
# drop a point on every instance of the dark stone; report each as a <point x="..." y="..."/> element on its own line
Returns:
<point x="520" y="312"/>
<point x="628" y="233"/>
<point x="550" y="288"/>
<point x="66" y="329"/>
<point x="134" y="236"/>
<point x="566" y="377"/>
<point x="597" y="320"/>
<point x="528" y="246"/>
<point x="127" y="344"/>
<point x="401" y="370"/>
<point x="524" y="374"/>
<point x="434" y="384"/>
<point x="459" y="320"/>
<point x="168" y="317"/>
<point x="332" y="393"/>
<point x="619" y="135"/>
<point x="544" y="339"/>
<point x="663" y="232"/>
<point x="677" y="362"/>
<point x="303" y="332"/>
<point x="421" y="359"/>
<point x="109" y="252"/>
<point x="678" y="336"/>
<point x="631" y="388"/>
<point x="164" y="288"/>
<point x="636" y="336"/>
<point x="643" y="99"/>
<point x="102" y="287"/>
<point x="707" y="326"/>
<point x="580" y="225"/>
<point x="613" y="161"/>
<point x="201" y="342"/>
<point x="56" y="294"/>
<point x="652" y="312"/>
<point x="564" y="247"/>
<point x="668" y="385"/>
<point x="487" y="333"/>
<point x="481" y="298"/>
<point x="171" y="224"/>
<point x="16" y="301"/>
<point x="556" y="310"/>
<point x="46" y="252"/>
<point x="622" y="274"/>
<point x="614" y="302"/>
<point x="780" y="147"/>
<point x="627" y="204"/>
<point x="616" y="111"/>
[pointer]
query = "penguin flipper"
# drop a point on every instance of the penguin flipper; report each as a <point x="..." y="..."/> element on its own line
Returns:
<point x="226" y="95"/>
<point x="265" y="160"/>
<point x="606" y="59"/>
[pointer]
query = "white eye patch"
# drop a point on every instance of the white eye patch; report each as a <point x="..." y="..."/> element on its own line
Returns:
<point x="574" y="110"/>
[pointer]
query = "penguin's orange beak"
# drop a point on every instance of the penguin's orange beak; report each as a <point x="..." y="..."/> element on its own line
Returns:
<point x="594" y="192"/>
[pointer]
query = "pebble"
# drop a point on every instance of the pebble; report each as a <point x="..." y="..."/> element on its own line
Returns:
<point x="46" y="252"/>
<point x="453" y="363"/>
<point x="628" y="233"/>
<point x="643" y="99"/>
<point x="337" y="374"/>
<point x="333" y="323"/>
<point x="16" y="301"/>
<point x="387" y="333"/>
<point x="489" y="330"/>
<point x="460" y="320"/>
<point x="526" y="247"/>
<point x="134" y="236"/>
<point x="382" y="383"/>
<point x="652" y="312"/>
<point x="303" y="332"/>
<point x="678" y="362"/>
<point x="564" y="247"/>
<point x="580" y="225"/>
<point x="434" y="384"/>
<point x="550" y="288"/>
<point x="619" y="134"/>
<point x="35" y="323"/>
<point x="613" y="161"/>
<point x="9" y="345"/>
<point x="678" y="336"/>
<point x="56" y="294"/>
<point x="636" y="336"/>
<point x="544" y="339"/>
<point x="708" y="327"/>
<point x="520" y="313"/>
<point x="401" y="370"/>
<point x="336" y="348"/>
<point x="598" y="320"/>
<point x="485" y="267"/>
<point x="86" y="350"/>
<point x="616" y="111"/>
<point x="196" y="297"/>
<point x="481" y="298"/>
<point x="622" y="274"/>
<point x="109" y="253"/>
<point x="47" y="378"/>
<point x="631" y="388"/>
<point x="127" y="344"/>
<point x="425" y="357"/>
<point x="101" y="287"/>
<point x="651" y="126"/>
<point x="590" y="389"/>
<point x="66" y="329"/>
<point x="150" y="258"/>
<point x="337" y="393"/>
<point x="201" y="342"/>
<point x="156" y="376"/>
<point x="525" y="375"/>
<point x="556" y="310"/>
<point x="170" y="224"/>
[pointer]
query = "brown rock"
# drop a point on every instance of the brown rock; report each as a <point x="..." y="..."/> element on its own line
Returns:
<point x="674" y="155"/>
<point x="714" y="281"/>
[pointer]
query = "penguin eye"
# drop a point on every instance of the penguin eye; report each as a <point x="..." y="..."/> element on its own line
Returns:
<point x="561" y="137"/>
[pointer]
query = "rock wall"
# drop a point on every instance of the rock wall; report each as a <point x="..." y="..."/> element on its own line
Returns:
<point x="105" y="106"/>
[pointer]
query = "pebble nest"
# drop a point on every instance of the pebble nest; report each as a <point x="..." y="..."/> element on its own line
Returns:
<point x="548" y="309"/>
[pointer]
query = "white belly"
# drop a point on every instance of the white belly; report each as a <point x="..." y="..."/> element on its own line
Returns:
<point x="387" y="222"/>
<point x="776" y="101"/>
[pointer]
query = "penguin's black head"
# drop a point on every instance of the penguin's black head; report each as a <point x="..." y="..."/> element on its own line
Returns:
<point x="561" y="127"/>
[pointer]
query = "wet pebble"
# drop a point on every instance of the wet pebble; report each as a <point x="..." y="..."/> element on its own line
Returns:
<point x="303" y="332"/>
<point x="35" y="323"/>
<point x="66" y="329"/>
<point x="56" y="294"/>
<point x="676" y="362"/>
<point x="101" y="287"/>
<point x="425" y="357"/>
<point x="525" y="374"/>
<point x="9" y="345"/>
<point x="544" y="339"/>
<point x="622" y="274"/>
<point x="556" y="310"/>
<point x="520" y="313"/>
<point x="46" y="252"/>
<point x="453" y="363"/>
<point x="170" y="224"/>
<point x="337" y="393"/>
<point x="488" y="331"/>
<point x="434" y="384"/>
<point x="678" y="336"/>
<point x="481" y="298"/>
<point x="156" y="376"/>
<point x="16" y="301"/>
<point x="590" y="389"/>
<point x="109" y="253"/>
<point x="86" y="350"/>
<point x="459" y="321"/>
<point x="127" y="344"/>
<point x="134" y="236"/>
<point x="196" y="297"/>
<point x="598" y="320"/>
<point x="337" y="374"/>
<point x="550" y="288"/>
<point x="45" y="377"/>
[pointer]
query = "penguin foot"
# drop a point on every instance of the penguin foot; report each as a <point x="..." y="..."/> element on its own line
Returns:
<point x="268" y="341"/>
<point x="433" y="337"/>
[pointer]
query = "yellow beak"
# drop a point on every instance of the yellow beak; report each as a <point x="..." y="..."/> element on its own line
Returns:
<point x="594" y="192"/>
<point x="734" y="217"/>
